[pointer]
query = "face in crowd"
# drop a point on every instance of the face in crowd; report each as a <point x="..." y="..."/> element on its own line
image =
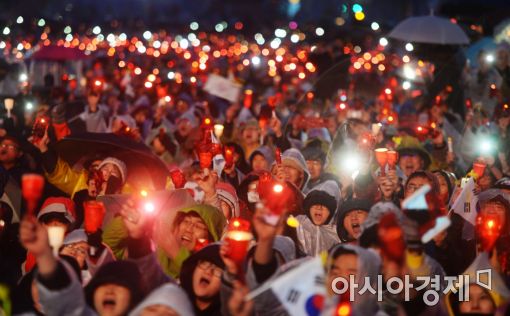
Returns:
<point x="352" y="222"/>
<point x="189" y="229"/>
<point x="9" y="152"/>
<point x="112" y="300"/>
<point x="206" y="280"/>
<point x="343" y="266"/>
<point x="410" y="163"/>
<point x="319" y="214"/>
<point x="315" y="168"/>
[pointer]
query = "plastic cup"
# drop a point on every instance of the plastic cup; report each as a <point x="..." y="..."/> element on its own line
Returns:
<point x="56" y="237"/>
<point x="94" y="215"/>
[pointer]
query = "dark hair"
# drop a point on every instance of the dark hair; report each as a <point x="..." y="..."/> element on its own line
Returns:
<point x="427" y="175"/>
<point x="339" y="251"/>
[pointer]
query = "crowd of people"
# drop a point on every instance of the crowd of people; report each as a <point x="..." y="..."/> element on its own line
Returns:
<point x="307" y="173"/>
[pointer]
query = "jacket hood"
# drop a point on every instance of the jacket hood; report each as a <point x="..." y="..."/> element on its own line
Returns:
<point x="169" y="295"/>
<point x="348" y="206"/>
<point x="327" y="194"/>
<point x="369" y="266"/>
<point x="498" y="292"/>
<point x="212" y="217"/>
<point x="266" y="152"/>
<point x="294" y="158"/>
<point x="210" y="253"/>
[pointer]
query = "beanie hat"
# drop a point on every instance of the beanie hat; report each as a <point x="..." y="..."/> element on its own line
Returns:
<point x="169" y="295"/>
<point x="227" y="193"/>
<point x="77" y="235"/>
<point x="58" y="205"/>
<point x="346" y="208"/>
<point x="326" y="194"/>
<point x="123" y="273"/>
<point x="119" y="164"/>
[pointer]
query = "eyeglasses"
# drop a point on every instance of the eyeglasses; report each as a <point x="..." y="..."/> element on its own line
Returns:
<point x="206" y="265"/>
<point x="189" y="223"/>
<point x="9" y="146"/>
<point x="75" y="249"/>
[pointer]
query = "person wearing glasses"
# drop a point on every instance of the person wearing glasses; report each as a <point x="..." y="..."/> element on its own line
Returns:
<point x="200" y="278"/>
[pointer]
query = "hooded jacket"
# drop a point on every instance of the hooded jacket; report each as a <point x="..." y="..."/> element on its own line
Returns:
<point x="316" y="238"/>
<point x="348" y="206"/>
<point x="210" y="253"/>
<point x="293" y="157"/>
<point x="169" y="295"/>
<point x="498" y="292"/>
<point x="115" y="235"/>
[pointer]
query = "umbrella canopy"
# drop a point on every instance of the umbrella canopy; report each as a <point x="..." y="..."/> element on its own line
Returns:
<point x="58" y="53"/>
<point x="430" y="30"/>
<point x="487" y="44"/>
<point x="145" y="170"/>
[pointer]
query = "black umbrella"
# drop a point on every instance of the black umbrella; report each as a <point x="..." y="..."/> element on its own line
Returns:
<point x="145" y="170"/>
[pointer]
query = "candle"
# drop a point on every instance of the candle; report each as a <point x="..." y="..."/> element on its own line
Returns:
<point x="376" y="128"/>
<point x="178" y="178"/>
<point x="205" y="159"/>
<point x="392" y="159"/>
<point x="9" y="104"/>
<point x="32" y="186"/>
<point x="278" y="156"/>
<point x="238" y="238"/>
<point x="229" y="156"/>
<point x="218" y="130"/>
<point x="381" y="155"/>
<point x="450" y="144"/>
<point x="479" y="169"/>
<point x="248" y="98"/>
<point x="56" y="237"/>
<point x="94" y="212"/>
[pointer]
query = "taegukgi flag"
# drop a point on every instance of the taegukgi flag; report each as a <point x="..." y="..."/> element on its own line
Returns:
<point x="302" y="290"/>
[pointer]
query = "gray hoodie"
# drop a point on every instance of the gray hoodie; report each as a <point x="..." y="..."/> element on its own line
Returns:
<point x="169" y="295"/>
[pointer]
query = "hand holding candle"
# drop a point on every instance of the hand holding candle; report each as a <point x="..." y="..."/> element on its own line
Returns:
<point x="238" y="238"/>
<point x="178" y="178"/>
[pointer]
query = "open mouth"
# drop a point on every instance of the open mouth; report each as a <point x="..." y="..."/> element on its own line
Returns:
<point x="356" y="227"/>
<point x="318" y="215"/>
<point x="204" y="282"/>
<point x="109" y="303"/>
<point x="185" y="239"/>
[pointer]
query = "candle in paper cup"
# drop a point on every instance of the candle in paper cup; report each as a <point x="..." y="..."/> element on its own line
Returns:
<point x="9" y="104"/>
<point x="218" y="130"/>
<point x="56" y="237"/>
<point x="376" y="127"/>
<point x="94" y="215"/>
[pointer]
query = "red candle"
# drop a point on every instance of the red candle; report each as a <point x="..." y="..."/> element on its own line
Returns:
<point x="489" y="229"/>
<point x="278" y="156"/>
<point x="392" y="159"/>
<point x="205" y="159"/>
<point x="248" y="98"/>
<point x="200" y="243"/>
<point x="178" y="178"/>
<point x="238" y="238"/>
<point x="32" y="186"/>
<point x="479" y="169"/>
<point x="229" y="156"/>
<point x="381" y="155"/>
<point x="94" y="215"/>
